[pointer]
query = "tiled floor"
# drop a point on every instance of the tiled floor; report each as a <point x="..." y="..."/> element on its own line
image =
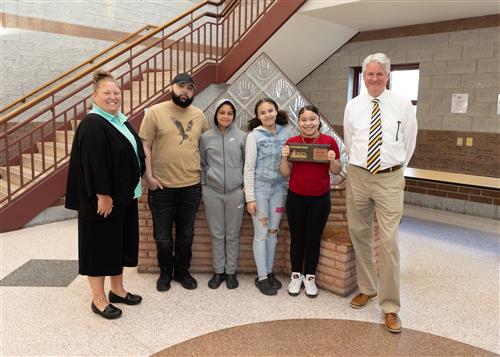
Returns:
<point x="43" y="272"/>
<point x="450" y="298"/>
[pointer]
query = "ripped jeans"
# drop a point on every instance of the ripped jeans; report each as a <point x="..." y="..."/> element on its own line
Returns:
<point x="270" y="200"/>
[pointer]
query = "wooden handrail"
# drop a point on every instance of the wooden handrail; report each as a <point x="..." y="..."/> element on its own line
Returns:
<point x="229" y="7"/>
<point x="192" y="42"/>
<point x="77" y="67"/>
<point x="98" y="65"/>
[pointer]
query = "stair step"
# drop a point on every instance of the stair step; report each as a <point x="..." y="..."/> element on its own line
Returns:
<point x="150" y="76"/>
<point x="3" y="187"/>
<point x="147" y="89"/>
<point x="49" y="149"/>
<point x="37" y="161"/>
<point x="136" y="103"/>
<point x="135" y="98"/>
<point x="60" y="136"/>
<point x="15" y="174"/>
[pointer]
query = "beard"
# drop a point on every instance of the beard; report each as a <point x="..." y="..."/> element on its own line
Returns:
<point x="181" y="102"/>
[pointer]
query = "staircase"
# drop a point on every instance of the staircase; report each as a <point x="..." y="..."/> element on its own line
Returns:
<point x="211" y="42"/>
<point x="54" y="151"/>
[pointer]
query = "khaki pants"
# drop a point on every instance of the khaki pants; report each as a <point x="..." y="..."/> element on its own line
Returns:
<point x="382" y="193"/>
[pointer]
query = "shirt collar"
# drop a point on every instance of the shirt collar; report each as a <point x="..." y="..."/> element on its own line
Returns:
<point x="381" y="96"/>
<point x="120" y="117"/>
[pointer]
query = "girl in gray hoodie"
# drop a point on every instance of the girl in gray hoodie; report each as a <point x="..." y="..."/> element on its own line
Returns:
<point x="222" y="151"/>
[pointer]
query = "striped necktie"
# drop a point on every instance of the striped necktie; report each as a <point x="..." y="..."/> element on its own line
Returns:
<point x="375" y="142"/>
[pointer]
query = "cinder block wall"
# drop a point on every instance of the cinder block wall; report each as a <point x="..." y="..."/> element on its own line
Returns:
<point x="460" y="56"/>
<point x="42" y="39"/>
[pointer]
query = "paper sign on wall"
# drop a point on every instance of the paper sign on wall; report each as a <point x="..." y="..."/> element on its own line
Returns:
<point x="459" y="102"/>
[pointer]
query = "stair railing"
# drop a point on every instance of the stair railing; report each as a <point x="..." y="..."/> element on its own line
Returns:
<point x="40" y="142"/>
<point x="65" y="75"/>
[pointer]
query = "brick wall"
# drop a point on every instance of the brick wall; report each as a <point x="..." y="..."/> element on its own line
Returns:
<point x="438" y="150"/>
<point x="455" y="191"/>
<point x="336" y="270"/>
<point x="454" y="57"/>
<point x="434" y="152"/>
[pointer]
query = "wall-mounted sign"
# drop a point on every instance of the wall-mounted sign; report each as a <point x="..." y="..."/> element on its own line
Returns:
<point x="498" y="105"/>
<point x="459" y="102"/>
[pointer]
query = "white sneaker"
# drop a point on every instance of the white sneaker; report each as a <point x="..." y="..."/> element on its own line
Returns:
<point x="310" y="286"/>
<point x="295" y="284"/>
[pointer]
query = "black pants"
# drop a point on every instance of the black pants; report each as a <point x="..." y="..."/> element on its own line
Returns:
<point x="169" y="206"/>
<point x="307" y="217"/>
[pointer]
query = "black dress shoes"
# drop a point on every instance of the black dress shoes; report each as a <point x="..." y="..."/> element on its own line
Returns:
<point x="184" y="277"/>
<point x="163" y="282"/>
<point x="129" y="299"/>
<point x="231" y="281"/>
<point x="110" y="312"/>
<point x="216" y="280"/>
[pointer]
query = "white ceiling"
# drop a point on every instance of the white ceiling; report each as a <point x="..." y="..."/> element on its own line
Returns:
<point x="366" y="15"/>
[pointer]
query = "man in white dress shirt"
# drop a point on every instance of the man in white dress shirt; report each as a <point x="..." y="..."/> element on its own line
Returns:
<point x="380" y="131"/>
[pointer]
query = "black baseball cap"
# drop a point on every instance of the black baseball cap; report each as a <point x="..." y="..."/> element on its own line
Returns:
<point x="183" y="78"/>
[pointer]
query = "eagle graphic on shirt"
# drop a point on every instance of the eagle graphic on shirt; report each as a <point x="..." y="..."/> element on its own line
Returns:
<point x="183" y="133"/>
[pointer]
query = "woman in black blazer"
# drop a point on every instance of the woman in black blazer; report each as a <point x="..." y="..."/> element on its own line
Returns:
<point x="104" y="182"/>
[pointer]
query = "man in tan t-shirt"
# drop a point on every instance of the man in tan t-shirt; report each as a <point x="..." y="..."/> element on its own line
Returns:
<point x="171" y="132"/>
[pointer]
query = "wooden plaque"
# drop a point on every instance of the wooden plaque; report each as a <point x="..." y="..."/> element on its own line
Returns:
<point x="309" y="152"/>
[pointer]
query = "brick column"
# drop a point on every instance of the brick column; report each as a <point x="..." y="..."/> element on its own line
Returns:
<point x="336" y="271"/>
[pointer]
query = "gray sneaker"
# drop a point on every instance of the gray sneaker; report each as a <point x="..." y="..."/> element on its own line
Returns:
<point x="265" y="287"/>
<point x="274" y="281"/>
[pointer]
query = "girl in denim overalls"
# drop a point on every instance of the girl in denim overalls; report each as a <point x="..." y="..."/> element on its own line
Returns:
<point x="265" y="187"/>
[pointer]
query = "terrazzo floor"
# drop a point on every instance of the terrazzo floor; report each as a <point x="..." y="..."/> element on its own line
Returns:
<point x="449" y="292"/>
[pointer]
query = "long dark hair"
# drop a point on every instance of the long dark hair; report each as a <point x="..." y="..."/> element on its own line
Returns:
<point x="313" y="109"/>
<point x="281" y="117"/>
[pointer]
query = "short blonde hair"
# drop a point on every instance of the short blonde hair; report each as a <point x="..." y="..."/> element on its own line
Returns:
<point x="380" y="58"/>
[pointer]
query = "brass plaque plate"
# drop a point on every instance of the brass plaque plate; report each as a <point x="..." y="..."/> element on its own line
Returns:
<point x="309" y="152"/>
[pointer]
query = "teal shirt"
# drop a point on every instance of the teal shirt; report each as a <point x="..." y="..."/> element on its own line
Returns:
<point x="118" y="121"/>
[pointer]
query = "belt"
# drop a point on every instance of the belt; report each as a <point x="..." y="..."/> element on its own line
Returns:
<point x="390" y="169"/>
